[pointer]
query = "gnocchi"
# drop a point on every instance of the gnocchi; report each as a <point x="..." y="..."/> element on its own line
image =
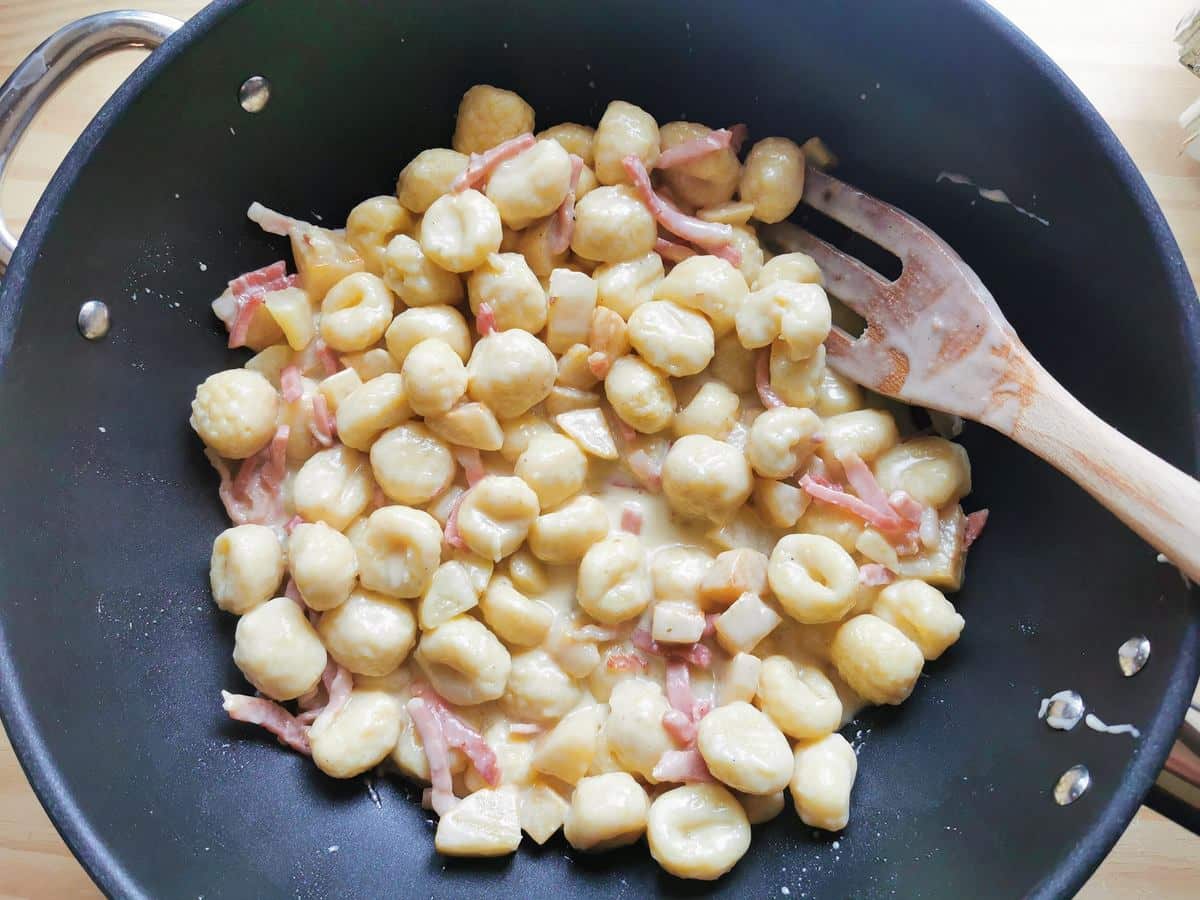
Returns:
<point x="822" y="779"/>
<point x="671" y="338"/>
<point x="323" y="565"/>
<point x="698" y="831"/>
<point x="464" y="661"/>
<point x="370" y="633"/>
<point x="246" y="568"/>
<point x="570" y="523"/>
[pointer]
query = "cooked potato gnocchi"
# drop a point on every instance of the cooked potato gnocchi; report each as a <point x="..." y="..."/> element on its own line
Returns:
<point x="569" y="521"/>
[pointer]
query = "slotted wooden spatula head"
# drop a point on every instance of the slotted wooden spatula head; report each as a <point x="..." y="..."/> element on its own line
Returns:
<point x="935" y="336"/>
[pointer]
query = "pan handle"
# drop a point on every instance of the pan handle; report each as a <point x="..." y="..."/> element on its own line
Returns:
<point x="42" y="72"/>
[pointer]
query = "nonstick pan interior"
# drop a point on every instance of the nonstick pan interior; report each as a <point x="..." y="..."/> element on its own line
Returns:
<point x="112" y="656"/>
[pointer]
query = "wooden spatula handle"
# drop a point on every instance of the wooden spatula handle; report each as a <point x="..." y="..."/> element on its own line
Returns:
<point x="1155" y="499"/>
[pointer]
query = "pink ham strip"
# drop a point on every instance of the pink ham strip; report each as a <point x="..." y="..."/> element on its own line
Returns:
<point x="276" y="467"/>
<point x="828" y="493"/>
<point x="332" y="691"/>
<point x="625" y="662"/>
<point x="874" y="575"/>
<point x="225" y="491"/>
<point x="679" y="726"/>
<point x="472" y="464"/>
<point x="686" y="711"/>
<point x="974" y="528"/>
<point x="682" y="766"/>
<point x="710" y="625"/>
<point x="762" y="380"/>
<point x="481" y="165"/>
<point x="631" y="519"/>
<point x="697" y="654"/>
<point x="313" y="700"/>
<point x="253" y="496"/>
<point x="671" y="251"/>
<point x="323" y="426"/>
<point x="485" y="320"/>
<point x="338" y="684"/>
<point x="290" y="384"/>
<point x="450" y="534"/>
<point x="738" y="137"/>
<point x="712" y="237"/>
<point x="433" y="740"/>
<point x="328" y="358"/>
<point x="680" y="694"/>
<point x="260" y="281"/>
<point x="461" y="735"/>
<point x="862" y="479"/>
<point x="647" y="470"/>
<point x="697" y="148"/>
<point x="246" y="472"/>
<point x="563" y="227"/>
<point x="249" y="291"/>
<point x="271" y="716"/>
<point x="908" y="506"/>
<point x="291" y="524"/>
<point x="241" y="324"/>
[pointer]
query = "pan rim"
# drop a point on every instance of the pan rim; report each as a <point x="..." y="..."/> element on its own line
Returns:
<point x="109" y="872"/>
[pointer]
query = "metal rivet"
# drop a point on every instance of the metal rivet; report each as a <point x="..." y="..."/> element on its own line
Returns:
<point x="1072" y="785"/>
<point x="254" y="93"/>
<point x="93" y="320"/>
<point x="1063" y="711"/>
<point x="1133" y="654"/>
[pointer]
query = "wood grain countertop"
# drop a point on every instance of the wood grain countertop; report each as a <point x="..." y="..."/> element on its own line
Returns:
<point x="1119" y="52"/>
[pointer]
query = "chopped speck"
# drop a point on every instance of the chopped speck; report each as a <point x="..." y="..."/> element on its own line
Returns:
<point x="785" y="890"/>
<point x="877" y="85"/>
<point x="506" y="45"/>
<point x="177" y="195"/>
<point x="333" y="849"/>
<point x="837" y="845"/>
<point x="147" y="290"/>
<point x="102" y="429"/>
<point x="231" y="131"/>
<point x="592" y="85"/>
<point x="862" y="96"/>
<point x="203" y="267"/>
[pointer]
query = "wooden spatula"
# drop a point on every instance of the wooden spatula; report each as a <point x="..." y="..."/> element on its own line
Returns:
<point x="936" y="338"/>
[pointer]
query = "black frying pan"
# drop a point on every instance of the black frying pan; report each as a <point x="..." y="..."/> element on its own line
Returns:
<point x="112" y="655"/>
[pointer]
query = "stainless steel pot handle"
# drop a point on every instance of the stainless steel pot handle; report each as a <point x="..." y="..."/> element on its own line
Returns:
<point x="52" y="62"/>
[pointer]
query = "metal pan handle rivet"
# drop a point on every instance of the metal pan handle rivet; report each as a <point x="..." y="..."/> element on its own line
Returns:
<point x="94" y="320"/>
<point x="55" y="59"/>
<point x="254" y="94"/>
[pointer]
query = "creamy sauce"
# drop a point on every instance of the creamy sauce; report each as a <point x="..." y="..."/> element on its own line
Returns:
<point x="662" y="529"/>
<point x="1064" y="710"/>
<point x="994" y="195"/>
<point x="1093" y="722"/>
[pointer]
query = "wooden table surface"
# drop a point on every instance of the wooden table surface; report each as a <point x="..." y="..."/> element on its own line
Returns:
<point x="1119" y="52"/>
